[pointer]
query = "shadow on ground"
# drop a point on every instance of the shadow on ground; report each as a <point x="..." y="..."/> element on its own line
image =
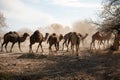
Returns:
<point x="69" y="67"/>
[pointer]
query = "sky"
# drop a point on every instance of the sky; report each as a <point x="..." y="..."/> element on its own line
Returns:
<point x="32" y="14"/>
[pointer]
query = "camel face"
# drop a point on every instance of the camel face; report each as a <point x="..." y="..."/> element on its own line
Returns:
<point x="26" y="34"/>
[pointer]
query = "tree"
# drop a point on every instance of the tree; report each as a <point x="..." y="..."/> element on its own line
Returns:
<point x="110" y="16"/>
<point x="109" y="20"/>
<point x="2" y="20"/>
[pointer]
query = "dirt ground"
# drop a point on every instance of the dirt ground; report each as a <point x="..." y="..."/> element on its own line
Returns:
<point x="96" y="65"/>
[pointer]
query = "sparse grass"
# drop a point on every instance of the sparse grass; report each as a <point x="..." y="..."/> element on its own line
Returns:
<point x="99" y="66"/>
<point x="32" y="56"/>
<point x="5" y="76"/>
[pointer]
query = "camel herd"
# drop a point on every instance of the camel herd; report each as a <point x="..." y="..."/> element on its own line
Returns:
<point x="101" y="37"/>
<point x="72" y="38"/>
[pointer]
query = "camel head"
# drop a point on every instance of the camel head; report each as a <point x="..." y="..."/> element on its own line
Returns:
<point x="86" y="35"/>
<point x="60" y="37"/>
<point x="46" y="36"/>
<point x="54" y="34"/>
<point x="80" y="35"/>
<point x="25" y="34"/>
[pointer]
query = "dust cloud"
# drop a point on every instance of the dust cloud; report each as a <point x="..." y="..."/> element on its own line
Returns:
<point x="55" y="28"/>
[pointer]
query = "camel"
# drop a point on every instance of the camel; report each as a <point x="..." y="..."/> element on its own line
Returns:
<point x="54" y="39"/>
<point x="97" y="36"/>
<point x="101" y="37"/>
<point x="37" y="37"/>
<point x="83" y="38"/>
<point x="106" y="38"/>
<point x="65" y="38"/>
<point x="13" y="37"/>
<point x="75" y="41"/>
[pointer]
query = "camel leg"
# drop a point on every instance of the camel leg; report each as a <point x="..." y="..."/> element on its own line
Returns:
<point x="67" y="46"/>
<point x="19" y="47"/>
<point x="6" y="47"/>
<point x="99" y="43"/>
<point x="72" y="47"/>
<point x="12" y="47"/>
<point x="2" y="46"/>
<point x="38" y="47"/>
<point x="50" y="49"/>
<point x="82" y="43"/>
<point x="30" y="50"/>
<point x="77" y="47"/>
<point x="56" y="47"/>
<point x="91" y="45"/>
<point x="63" y="46"/>
<point x="94" y="45"/>
<point x="41" y="47"/>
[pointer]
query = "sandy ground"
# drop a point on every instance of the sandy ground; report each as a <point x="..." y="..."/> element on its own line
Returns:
<point x="98" y="65"/>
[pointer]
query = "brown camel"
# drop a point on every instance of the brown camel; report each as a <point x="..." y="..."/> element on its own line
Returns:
<point x="83" y="38"/>
<point x="37" y="37"/>
<point x="66" y="38"/>
<point x="75" y="41"/>
<point x="54" y="39"/>
<point x="13" y="37"/>
<point x="106" y="38"/>
<point x="99" y="36"/>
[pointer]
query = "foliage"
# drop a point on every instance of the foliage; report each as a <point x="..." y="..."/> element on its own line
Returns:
<point x="110" y="16"/>
<point x="2" y="20"/>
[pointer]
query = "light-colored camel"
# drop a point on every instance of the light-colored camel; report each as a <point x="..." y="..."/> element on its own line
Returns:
<point x="75" y="41"/>
<point x="101" y="37"/>
<point x="83" y="38"/>
<point x="96" y="37"/>
<point x="13" y="37"/>
<point x="106" y="38"/>
<point x="66" y="38"/>
<point x="37" y="37"/>
<point x="54" y="39"/>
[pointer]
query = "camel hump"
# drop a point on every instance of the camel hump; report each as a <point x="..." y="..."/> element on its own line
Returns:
<point x="10" y="32"/>
<point x="36" y="32"/>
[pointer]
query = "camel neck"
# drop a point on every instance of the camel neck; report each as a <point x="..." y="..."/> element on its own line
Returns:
<point x="22" y="38"/>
